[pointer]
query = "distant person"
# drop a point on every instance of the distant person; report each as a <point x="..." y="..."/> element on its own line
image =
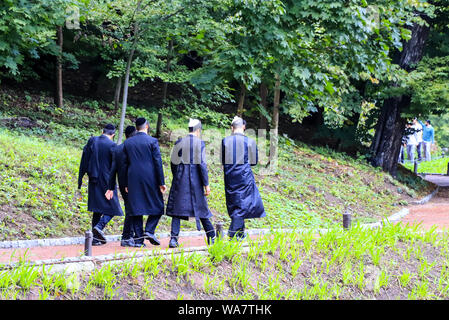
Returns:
<point x="428" y="137"/>
<point x="118" y="170"/>
<point x="190" y="185"/>
<point x="418" y="134"/>
<point x="402" y="151"/>
<point x="411" y="142"/>
<point x="243" y="200"/>
<point x="96" y="162"/>
<point x="145" y="182"/>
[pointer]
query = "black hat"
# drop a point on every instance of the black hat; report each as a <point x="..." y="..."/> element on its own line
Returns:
<point x="109" y="126"/>
<point x="129" y="131"/>
<point x="140" y="122"/>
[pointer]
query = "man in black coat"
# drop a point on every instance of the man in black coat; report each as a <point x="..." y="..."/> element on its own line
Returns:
<point x="190" y="185"/>
<point x="96" y="162"/>
<point x="119" y="170"/>
<point x="243" y="200"/>
<point x="145" y="182"/>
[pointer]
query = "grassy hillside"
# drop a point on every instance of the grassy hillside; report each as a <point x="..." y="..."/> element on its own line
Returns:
<point x="40" y="149"/>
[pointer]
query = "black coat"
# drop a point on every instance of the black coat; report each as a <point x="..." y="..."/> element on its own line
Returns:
<point x="190" y="176"/>
<point x="145" y="174"/>
<point x="118" y="170"/>
<point x="243" y="200"/>
<point x="96" y="162"/>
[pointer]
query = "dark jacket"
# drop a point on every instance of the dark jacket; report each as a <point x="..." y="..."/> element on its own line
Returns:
<point x="118" y="171"/>
<point x="144" y="175"/>
<point x="190" y="176"/>
<point x="96" y="162"/>
<point x="243" y="200"/>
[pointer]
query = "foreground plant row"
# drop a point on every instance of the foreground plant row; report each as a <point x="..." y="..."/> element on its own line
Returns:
<point x="395" y="262"/>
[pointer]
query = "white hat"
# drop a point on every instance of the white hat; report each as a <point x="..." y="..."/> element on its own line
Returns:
<point x="237" y="121"/>
<point x="194" y="124"/>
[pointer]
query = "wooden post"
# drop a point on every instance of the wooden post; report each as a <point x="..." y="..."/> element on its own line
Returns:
<point x="219" y="229"/>
<point x="88" y="243"/>
<point x="347" y="220"/>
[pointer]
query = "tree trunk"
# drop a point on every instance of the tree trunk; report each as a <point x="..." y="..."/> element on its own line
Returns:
<point x="390" y="126"/>
<point x="164" y="91"/>
<point x="241" y="99"/>
<point x="275" y="119"/>
<point x="263" y="102"/>
<point x="59" y="94"/>
<point x="118" y="88"/>
<point x="276" y="101"/>
<point x="126" y="84"/>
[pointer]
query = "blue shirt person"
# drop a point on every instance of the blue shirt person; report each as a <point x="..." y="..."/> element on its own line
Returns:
<point x="428" y="138"/>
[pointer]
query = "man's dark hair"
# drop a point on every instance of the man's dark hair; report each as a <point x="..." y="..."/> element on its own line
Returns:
<point x="429" y="122"/>
<point x="141" y="123"/>
<point x="109" y="129"/>
<point x="130" y="131"/>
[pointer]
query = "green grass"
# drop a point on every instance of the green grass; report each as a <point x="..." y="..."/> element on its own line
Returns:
<point x="306" y="265"/>
<point x="433" y="166"/>
<point x="312" y="187"/>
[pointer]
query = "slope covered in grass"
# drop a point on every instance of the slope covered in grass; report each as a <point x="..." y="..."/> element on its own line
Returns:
<point x="39" y="169"/>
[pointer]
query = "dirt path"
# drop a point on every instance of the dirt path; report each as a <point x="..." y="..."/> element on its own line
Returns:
<point x="70" y="251"/>
<point x="436" y="211"/>
<point x="59" y="252"/>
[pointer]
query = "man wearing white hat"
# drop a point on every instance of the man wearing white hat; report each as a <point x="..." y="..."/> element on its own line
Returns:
<point x="243" y="200"/>
<point x="190" y="185"/>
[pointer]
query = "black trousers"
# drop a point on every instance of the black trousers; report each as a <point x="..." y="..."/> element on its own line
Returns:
<point x="419" y="147"/>
<point x="237" y="227"/>
<point x="128" y="228"/>
<point x="100" y="220"/>
<point x="207" y="226"/>
<point x="150" y="226"/>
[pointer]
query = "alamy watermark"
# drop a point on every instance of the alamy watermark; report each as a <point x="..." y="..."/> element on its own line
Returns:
<point x="257" y="149"/>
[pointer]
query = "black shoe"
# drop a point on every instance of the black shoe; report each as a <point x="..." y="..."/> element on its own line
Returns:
<point x="99" y="234"/>
<point x="241" y="236"/>
<point x="97" y="243"/>
<point x="139" y="245"/>
<point x="210" y="241"/>
<point x="127" y="242"/>
<point x="173" y="243"/>
<point x="152" y="238"/>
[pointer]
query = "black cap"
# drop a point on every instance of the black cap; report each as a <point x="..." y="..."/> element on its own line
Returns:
<point x="140" y="121"/>
<point x="109" y="126"/>
<point x="129" y="131"/>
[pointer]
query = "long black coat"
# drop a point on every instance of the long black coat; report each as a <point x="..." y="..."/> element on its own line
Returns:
<point x="190" y="176"/>
<point x="145" y="174"/>
<point x="96" y="162"/>
<point x="118" y="169"/>
<point x="243" y="200"/>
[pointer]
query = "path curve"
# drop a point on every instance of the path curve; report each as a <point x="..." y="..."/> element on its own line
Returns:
<point x="436" y="211"/>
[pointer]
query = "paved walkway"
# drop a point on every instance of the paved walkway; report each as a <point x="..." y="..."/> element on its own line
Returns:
<point x="439" y="180"/>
